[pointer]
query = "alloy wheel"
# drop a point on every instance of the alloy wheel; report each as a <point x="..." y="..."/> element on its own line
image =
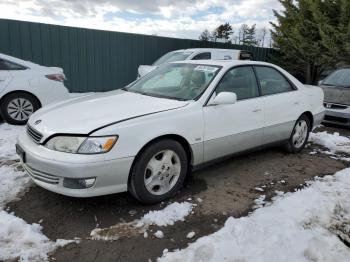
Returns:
<point x="20" y="109"/>
<point x="162" y="172"/>
<point x="300" y="133"/>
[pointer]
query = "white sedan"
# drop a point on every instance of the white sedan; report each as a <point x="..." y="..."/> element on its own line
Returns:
<point x="25" y="87"/>
<point x="147" y="137"/>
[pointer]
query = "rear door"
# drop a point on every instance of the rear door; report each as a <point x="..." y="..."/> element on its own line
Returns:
<point x="5" y="76"/>
<point x="282" y="103"/>
<point x="234" y="127"/>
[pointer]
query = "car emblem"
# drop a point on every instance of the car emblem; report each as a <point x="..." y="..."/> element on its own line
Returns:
<point x="328" y="105"/>
<point x="37" y="122"/>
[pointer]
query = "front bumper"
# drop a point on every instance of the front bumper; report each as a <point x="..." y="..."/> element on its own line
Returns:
<point x="337" y="114"/>
<point x="48" y="170"/>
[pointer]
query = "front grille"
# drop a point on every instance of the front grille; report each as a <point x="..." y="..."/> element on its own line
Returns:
<point x="33" y="134"/>
<point x="334" y="106"/>
<point x="41" y="176"/>
<point x="336" y="119"/>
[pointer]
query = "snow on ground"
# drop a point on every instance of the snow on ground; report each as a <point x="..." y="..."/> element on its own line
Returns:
<point x="168" y="216"/>
<point x="303" y="226"/>
<point x="334" y="142"/>
<point x="8" y="135"/>
<point x="21" y="240"/>
<point x="12" y="183"/>
<point x="18" y="240"/>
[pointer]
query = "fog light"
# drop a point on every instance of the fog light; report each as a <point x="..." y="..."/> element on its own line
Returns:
<point x="79" y="183"/>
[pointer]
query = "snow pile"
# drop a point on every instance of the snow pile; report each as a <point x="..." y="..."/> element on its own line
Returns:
<point x="12" y="183"/>
<point x="159" y="234"/>
<point x="18" y="240"/>
<point x="8" y="140"/>
<point x="21" y="240"/>
<point x="167" y="216"/>
<point x="303" y="226"/>
<point x="334" y="142"/>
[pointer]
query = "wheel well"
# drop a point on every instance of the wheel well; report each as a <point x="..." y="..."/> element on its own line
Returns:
<point x="20" y="91"/>
<point x="310" y="116"/>
<point x="177" y="138"/>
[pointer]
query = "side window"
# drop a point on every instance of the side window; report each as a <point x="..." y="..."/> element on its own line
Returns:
<point x="202" y="56"/>
<point x="239" y="80"/>
<point x="271" y="81"/>
<point x="2" y="65"/>
<point x="6" y="65"/>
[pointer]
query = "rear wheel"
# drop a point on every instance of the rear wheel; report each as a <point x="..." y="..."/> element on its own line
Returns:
<point x="300" y="135"/>
<point x="158" y="172"/>
<point x="16" y="108"/>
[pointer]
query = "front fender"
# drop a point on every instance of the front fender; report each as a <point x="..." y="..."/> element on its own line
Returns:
<point x="134" y="134"/>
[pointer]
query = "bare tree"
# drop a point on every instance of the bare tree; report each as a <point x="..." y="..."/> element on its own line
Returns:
<point x="205" y="35"/>
<point x="262" y="36"/>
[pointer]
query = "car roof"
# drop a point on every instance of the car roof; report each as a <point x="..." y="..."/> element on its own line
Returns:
<point x="206" y="49"/>
<point x="224" y="63"/>
<point x="19" y="61"/>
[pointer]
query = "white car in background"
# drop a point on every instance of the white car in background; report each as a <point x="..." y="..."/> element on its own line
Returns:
<point x="25" y="87"/>
<point x="147" y="137"/>
<point x="196" y="54"/>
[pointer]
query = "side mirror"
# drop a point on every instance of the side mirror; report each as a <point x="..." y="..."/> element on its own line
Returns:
<point x="320" y="82"/>
<point x="224" y="98"/>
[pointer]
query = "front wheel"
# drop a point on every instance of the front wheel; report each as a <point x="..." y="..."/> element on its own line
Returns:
<point x="158" y="172"/>
<point x="300" y="135"/>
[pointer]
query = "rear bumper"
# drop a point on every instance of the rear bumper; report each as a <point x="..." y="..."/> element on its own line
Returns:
<point x="318" y="118"/>
<point x="111" y="175"/>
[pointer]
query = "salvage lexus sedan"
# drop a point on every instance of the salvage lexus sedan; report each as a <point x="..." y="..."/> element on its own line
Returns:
<point x="146" y="137"/>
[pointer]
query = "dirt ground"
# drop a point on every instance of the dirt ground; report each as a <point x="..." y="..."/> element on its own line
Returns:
<point x="226" y="189"/>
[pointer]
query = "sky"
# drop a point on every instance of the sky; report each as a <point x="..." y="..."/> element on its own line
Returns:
<point x="173" y="18"/>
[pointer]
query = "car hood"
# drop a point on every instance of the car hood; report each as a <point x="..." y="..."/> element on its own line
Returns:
<point x="82" y="115"/>
<point x="338" y="95"/>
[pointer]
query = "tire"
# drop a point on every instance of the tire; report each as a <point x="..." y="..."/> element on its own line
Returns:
<point x="158" y="172"/>
<point x="296" y="142"/>
<point x="16" y="108"/>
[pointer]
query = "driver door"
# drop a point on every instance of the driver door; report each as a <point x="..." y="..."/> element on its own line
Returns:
<point x="234" y="127"/>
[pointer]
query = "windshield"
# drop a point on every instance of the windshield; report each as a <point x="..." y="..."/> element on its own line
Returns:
<point x="176" y="81"/>
<point x="172" y="57"/>
<point x="340" y="78"/>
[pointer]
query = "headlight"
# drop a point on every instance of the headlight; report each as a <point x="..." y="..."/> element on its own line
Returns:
<point x="81" y="145"/>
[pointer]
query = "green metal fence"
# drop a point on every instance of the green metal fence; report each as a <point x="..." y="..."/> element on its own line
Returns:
<point x="95" y="60"/>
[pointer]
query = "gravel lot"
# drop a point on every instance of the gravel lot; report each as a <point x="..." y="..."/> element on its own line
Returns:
<point x="224" y="189"/>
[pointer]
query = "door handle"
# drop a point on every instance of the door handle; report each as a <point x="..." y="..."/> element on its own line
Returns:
<point x="256" y="110"/>
<point x="296" y="103"/>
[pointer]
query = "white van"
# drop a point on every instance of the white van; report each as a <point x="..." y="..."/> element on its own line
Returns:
<point x="196" y="54"/>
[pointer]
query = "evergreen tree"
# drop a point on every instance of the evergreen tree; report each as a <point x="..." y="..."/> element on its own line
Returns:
<point x="223" y="31"/>
<point x="312" y="36"/>
<point x="247" y="35"/>
<point x="250" y="38"/>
